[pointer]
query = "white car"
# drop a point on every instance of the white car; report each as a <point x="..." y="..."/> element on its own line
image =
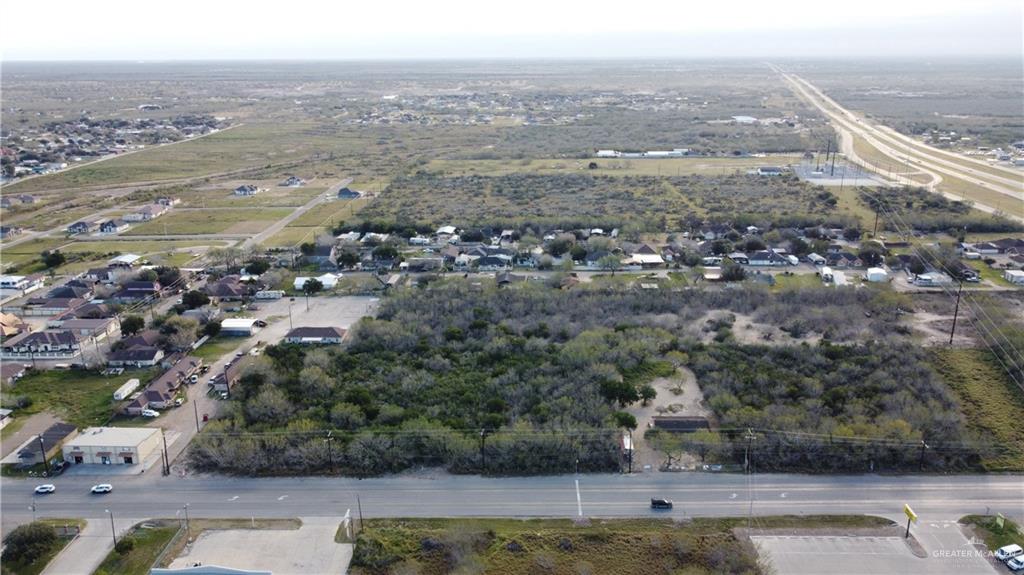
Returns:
<point x="102" y="488"/>
<point x="1009" y="552"/>
<point x="47" y="488"/>
<point x="150" y="413"/>
<point x="1016" y="564"/>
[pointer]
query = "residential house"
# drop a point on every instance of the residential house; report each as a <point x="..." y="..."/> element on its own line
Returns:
<point x="351" y="237"/>
<point x="51" y="440"/>
<point x="135" y="291"/>
<point x="348" y="194"/>
<point x="315" y="335"/>
<point x="1016" y="277"/>
<point x="146" y="213"/>
<point x="767" y="258"/>
<point x="425" y="264"/>
<point x="108" y="275"/>
<point x="135" y="356"/>
<point x="645" y="261"/>
<point x="82" y="227"/>
<point x="12" y="371"/>
<point x="21" y="284"/>
<point x="114" y="226"/>
<point x="8" y="232"/>
<point x="324" y="256"/>
<point x="1010" y="245"/>
<point x="843" y="260"/>
<point x="292" y="182"/>
<point x="770" y="171"/>
<point x="494" y="263"/>
<point x="42" y="345"/>
<point x="70" y="291"/>
<point x="204" y="314"/>
<point x="46" y="307"/>
<point x="227" y="288"/>
<point x="125" y="261"/>
<point x="247" y="190"/>
<point x="168" y="201"/>
<point x="85" y="328"/>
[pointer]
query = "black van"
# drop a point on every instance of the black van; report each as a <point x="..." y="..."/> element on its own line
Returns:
<point x="661" y="503"/>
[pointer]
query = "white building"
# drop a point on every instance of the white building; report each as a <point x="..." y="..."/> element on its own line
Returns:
<point x="876" y="275"/>
<point x="113" y="445"/>
<point x="1015" y="277"/>
<point x="241" y="326"/>
<point x="329" y="281"/>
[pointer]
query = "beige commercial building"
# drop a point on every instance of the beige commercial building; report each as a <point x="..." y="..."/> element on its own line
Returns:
<point x="113" y="445"/>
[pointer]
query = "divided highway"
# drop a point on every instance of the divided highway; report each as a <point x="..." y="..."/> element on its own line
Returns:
<point x="999" y="180"/>
<point x="442" y="495"/>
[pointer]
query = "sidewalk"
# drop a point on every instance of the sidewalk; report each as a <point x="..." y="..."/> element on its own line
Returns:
<point x="85" y="553"/>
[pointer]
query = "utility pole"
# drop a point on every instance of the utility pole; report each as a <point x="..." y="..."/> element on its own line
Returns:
<point x="330" y="450"/>
<point x="874" y="230"/>
<point x="483" y="453"/>
<point x="167" y="458"/>
<point x="290" y="317"/>
<point x="46" y="462"/>
<point x="33" y="508"/>
<point x="359" y="505"/>
<point x="195" y="410"/>
<point x="956" y="312"/>
<point x="748" y="469"/>
<point x="920" y="462"/>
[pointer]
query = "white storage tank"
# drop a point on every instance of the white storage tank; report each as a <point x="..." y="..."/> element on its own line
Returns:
<point x="125" y="390"/>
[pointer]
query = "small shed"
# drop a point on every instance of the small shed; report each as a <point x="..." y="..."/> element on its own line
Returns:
<point x="241" y="326"/>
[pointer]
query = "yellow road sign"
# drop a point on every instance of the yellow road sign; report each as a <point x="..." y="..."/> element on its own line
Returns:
<point x="910" y="513"/>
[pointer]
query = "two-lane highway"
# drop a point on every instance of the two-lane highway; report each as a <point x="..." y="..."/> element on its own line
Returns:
<point x="606" y="495"/>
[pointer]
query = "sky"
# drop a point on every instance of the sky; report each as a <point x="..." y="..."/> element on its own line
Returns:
<point x="441" y="29"/>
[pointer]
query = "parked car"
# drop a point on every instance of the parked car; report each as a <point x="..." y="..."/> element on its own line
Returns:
<point x="46" y="488"/>
<point x="204" y="369"/>
<point x="194" y="378"/>
<point x="178" y="402"/>
<point x="102" y="488"/>
<point x="1016" y="564"/>
<point x="59" y="467"/>
<point x="150" y="413"/>
<point x="1008" y="552"/>
<point x="661" y="503"/>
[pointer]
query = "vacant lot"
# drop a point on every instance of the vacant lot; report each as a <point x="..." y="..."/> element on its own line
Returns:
<point x="990" y="401"/>
<point x="83" y="398"/>
<point x="710" y="166"/>
<point x="150" y="538"/>
<point x="564" y="200"/>
<point x="274" y="196"/>
<point x="212" y="221"/>
<point x="564" y="547"/>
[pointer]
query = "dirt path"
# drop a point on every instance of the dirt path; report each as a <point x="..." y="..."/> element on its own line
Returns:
<point x="678" y="395"/>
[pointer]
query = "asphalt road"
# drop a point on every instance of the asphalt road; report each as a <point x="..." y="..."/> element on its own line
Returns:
<point x="606" y="495"/>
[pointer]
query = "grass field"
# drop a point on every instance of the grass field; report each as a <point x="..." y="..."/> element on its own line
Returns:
<point x="150" y="539"/>
<point x="562" y="547"/>
<point x="995" y="536"/>
<point x="83" y="398"/>
<point x="610" y="166"/>
<point x="274" y="196"/>
<point x="989" y="400"/>
<point x="216" y="347"/>
<point x="211" y="221"/>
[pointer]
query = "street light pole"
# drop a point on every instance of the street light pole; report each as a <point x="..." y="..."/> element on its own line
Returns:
<point x="188" y="529"/>
<point x="113" y="533"/>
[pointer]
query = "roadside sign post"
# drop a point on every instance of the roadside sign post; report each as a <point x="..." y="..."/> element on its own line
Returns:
<point x="911" y="517"/>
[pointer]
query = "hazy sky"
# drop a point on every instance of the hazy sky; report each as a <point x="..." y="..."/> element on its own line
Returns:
<point x="360" y="29"/>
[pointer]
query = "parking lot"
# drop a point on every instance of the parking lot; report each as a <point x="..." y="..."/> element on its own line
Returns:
<point x="309" y="549"/>
<point x="946" y="548"/>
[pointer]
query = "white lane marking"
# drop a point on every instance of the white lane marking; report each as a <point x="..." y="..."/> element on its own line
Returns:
<point x="233" y="498"/>
<point x="282" y="498"/>
<point x="579" y="501"/>
<point x="782" y="495"/>
<point x="733" y="496"/>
